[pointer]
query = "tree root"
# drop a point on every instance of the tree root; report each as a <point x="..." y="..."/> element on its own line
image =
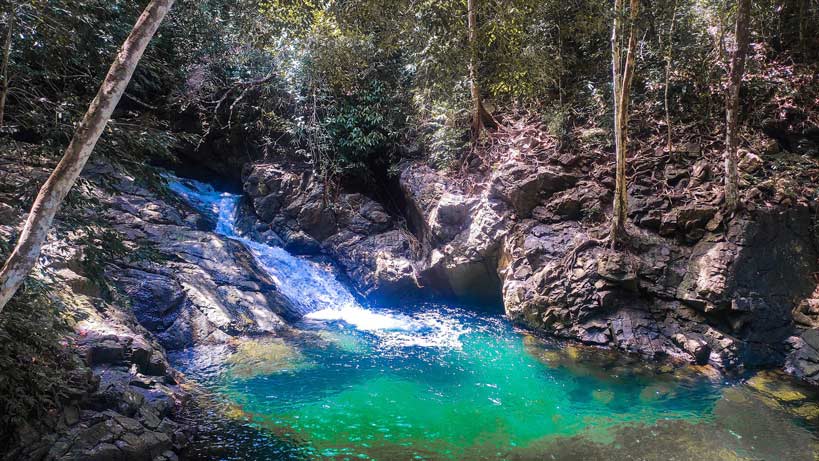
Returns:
<point x="571" y="258"/>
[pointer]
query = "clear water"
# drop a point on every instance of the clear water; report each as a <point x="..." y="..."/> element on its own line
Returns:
<point x="444" y="382"/>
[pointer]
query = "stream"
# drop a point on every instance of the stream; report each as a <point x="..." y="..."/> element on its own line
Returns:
<point x="440" y="381"/>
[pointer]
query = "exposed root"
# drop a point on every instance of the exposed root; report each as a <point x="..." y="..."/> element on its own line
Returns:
<point x="416" y="278"/>
<point x="571" y="258"/>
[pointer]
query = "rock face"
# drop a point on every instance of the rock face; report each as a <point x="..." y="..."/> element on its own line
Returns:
<point x="169" y="284"/>
<point x="201" y="288"/>
<point x="128" y="408"/>
<point x="461" y="232"/>
<point x="691" y="284"/>
<point x="293" y="205"/>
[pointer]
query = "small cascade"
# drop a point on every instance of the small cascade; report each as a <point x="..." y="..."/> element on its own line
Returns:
<point x="316" y="293"/>
<point x="304" y="283"/>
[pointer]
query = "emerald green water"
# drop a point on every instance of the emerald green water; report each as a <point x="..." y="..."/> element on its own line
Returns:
<point x="438" y="382"/>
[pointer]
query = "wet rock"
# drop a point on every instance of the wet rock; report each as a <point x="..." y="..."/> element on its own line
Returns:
<point x="352" y="228"/>
<point x="154" y="297"/>
<point x="803" y="360"/>
<point x="697" y="347"/>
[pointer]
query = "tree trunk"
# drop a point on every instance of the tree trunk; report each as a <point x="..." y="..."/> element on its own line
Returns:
<point x="48" y="201"/>
<point x="803" y="6"/>
<point x="4" y="92"/>
<point x="668" y="61"/>
<point x="735" y="74"/>
<point x="477" y="104"/>
<point x="622" y="76"/>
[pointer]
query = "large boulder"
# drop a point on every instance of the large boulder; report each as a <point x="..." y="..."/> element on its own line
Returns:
<point x="460" y="233"/>
<point x="288" y="200"/>
<point x="523" y="185"/>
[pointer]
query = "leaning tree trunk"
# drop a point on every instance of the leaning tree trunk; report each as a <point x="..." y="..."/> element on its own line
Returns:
<point x="736" y="72"/>
<point x="4" y="92"/>
<point x="51" y="195"/>
<point x="622" y="75"/>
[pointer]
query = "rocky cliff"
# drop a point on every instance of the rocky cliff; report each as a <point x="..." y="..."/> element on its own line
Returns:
<point x="522" y="224"/>
<point x="138" y="274"/>
<point x="141" y="273"/>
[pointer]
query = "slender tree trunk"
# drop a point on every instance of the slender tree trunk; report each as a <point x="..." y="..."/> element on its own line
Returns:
<point x="735" y="74"/>
<point x="668" y="61"/>
<point x="622" y="76"/>
<point x="48" y="201"/>
<point x="618" y="222"/>
<point x="803" y="6"/>
<point x="477" y="122"/>
<point x="4" y="92"/>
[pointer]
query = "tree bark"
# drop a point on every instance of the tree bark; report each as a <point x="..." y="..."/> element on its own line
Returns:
<point x="668" y="61"/>
<point x="803" y="48"/>
<point x="477" y="122"/>
<point x="622" y="74"/>
<point x="4" y="92"/>
<point x="735" y="74"/>
<point x="48" y="201"/>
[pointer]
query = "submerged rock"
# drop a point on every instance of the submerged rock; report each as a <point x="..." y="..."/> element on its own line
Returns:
<point x="264" y="357"/>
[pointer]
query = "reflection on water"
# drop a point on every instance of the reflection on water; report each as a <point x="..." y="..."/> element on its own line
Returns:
<point x="482" y="390"/>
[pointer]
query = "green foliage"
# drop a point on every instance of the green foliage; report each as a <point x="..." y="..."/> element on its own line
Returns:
<point x="349" y="84"/>
<point x="443" y="131"/>
<point x="365" y="129"/>
<point x="62" y="49"/>
<point x="38" y="370"/>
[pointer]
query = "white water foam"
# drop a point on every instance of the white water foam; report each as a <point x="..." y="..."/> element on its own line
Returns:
<point x="318" y="295"/>
<point x="396" y="330"/>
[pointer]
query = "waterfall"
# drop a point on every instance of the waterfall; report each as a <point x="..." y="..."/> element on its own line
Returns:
<point x="303" y="282"/>
<point x="314" y="291"/>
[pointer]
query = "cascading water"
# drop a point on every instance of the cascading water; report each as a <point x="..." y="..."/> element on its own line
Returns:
<point x="315" y="292"/>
